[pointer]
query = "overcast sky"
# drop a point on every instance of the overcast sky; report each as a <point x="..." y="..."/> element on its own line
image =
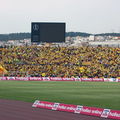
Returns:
<point x="92" y="16"/>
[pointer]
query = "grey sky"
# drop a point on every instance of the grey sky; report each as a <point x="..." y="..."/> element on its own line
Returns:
<point x="92" y="16"/>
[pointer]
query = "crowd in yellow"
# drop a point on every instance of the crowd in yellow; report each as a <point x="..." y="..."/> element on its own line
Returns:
<point x="62" y="61"/>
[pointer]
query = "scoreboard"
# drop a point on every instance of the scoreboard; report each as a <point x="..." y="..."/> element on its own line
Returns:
<point x="47" y="32"/>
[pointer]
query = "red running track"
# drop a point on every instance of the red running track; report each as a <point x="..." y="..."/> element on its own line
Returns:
<point x="18" y="110"/>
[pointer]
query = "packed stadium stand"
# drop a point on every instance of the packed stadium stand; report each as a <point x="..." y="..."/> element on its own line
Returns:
<point x="48" y="61"/>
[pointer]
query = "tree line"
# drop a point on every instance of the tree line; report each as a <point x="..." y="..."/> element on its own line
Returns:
<point x="14" y="36"/>
<point x="21" y="36"/>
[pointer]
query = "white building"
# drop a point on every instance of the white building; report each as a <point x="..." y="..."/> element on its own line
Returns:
<point x="91" y="38"/>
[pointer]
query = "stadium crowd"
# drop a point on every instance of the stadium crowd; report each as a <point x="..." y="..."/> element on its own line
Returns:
<point x="62" y="61"/>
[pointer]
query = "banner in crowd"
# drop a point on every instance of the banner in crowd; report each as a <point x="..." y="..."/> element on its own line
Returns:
<point x="2" y="70"/>
<point x="61" y="79"/>
<point x="99" y="112"/>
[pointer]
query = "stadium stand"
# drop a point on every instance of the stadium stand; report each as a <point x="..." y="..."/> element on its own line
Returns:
<point x="89" y="62"/>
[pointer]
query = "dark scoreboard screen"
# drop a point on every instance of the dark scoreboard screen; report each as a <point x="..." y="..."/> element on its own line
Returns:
<point x="47" y="32"/>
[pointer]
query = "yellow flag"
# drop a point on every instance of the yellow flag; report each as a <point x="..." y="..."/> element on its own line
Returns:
<point x="2" y="70"/>
<point x="43" y="74"/>
<point x="82" y="69"/>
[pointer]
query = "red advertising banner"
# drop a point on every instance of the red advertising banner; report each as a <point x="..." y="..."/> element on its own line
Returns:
<point x="22" y="78"/>
<point x="3" y="78"/>
<point x="86" y="79"/>
<point x="92" y="111"/>
<point x="68" y="79"/>
<point x="107" y="79"/>
<point x="56" y="79"/>
<point x="45" y="78"/>
<point x="77" y="79"/>
<point x="10" y="78"/>
<point x="114" y="114"/>
<point x="43" y="104"/>
<point x="99" y="112"/>
<point x="61" y="79"/>
<point x="98" y="80"/>
<point x="35" y="78"/>
<point x="67" y="108"/>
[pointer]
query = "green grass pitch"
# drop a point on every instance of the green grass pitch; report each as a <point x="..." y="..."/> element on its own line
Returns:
<point x="94" y="94"/>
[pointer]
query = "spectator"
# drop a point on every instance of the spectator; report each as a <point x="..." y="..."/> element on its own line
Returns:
<point x="62" y="61"/>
